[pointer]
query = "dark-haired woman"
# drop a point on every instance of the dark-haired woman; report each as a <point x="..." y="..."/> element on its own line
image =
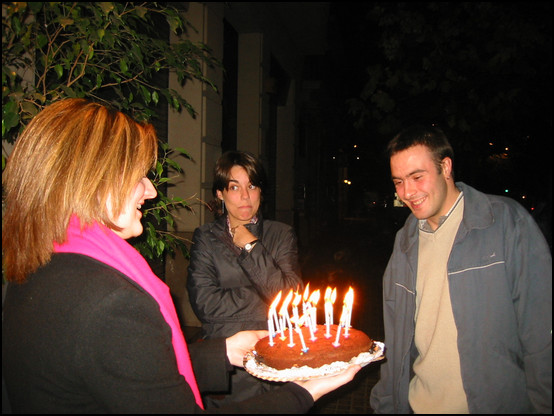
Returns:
<point x="240" y="262"/>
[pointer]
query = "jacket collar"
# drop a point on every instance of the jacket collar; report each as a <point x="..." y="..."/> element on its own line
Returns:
<point x="477" y="215"/>
<point x="219" y="227"/>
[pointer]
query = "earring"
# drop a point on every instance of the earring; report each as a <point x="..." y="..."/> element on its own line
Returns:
<point x="222" y="206"/>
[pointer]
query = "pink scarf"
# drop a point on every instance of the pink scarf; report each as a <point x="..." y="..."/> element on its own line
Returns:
<point x="101" y="243"/>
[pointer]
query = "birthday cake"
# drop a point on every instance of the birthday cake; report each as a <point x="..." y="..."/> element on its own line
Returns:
<point x="298" y="348"/>
<point x="319" y="351"/>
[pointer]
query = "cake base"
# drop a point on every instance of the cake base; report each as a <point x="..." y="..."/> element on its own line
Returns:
<point x="314" y="352"/>
<point x="264" y="372"/>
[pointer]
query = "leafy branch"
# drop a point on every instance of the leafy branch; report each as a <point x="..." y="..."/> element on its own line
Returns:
<point x="116" y="53"/>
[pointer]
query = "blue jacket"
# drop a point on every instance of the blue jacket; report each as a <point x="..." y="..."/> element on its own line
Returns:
<point x="500" y="277"/>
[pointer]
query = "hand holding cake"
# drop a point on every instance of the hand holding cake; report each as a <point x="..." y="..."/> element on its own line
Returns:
<point x="240" y="343"/>
<point x="321" y="386"/>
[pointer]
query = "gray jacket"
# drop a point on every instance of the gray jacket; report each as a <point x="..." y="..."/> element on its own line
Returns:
<point x="500" y="277"/>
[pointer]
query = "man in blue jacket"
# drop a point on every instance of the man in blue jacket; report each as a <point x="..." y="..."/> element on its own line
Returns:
<point x="467" y="294"/>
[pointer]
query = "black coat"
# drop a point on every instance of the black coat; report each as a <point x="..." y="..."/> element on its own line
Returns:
<point x="80" y="337"/>
<point x="231" y="290"/>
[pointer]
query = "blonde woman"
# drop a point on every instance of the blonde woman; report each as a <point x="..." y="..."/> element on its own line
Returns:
<point x="87" y="326"/>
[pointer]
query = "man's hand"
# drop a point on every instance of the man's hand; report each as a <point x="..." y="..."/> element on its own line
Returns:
<point x="321" y="386"/>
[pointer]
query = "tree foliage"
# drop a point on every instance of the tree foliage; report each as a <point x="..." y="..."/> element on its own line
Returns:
<point x="482" y="71"/>
<point x="115" y="53"/>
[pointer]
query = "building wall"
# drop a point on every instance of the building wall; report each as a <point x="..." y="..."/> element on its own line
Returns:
<point x="201" y="137"/>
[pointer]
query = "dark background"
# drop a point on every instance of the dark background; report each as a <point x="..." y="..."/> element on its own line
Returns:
<point x="481" y="71"/>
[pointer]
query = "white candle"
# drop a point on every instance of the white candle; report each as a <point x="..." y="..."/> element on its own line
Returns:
<point x="310" y="327"/>
<point x="273" y="312"/>
<point x="284" y="312"/>
<point x="329" y="298"/>
<point x="271" y="331"/>
<point x="306" y="320"/>
<point x="291" y="343"/>
<point x="285" y="319"/>
<point x="304" y="348"/>
<point x="333" y="298"/>
<point x="336" y="343"/>
<point x="305" y="298"/>
<point x="295" y="302"/>
<point x="348" y="304"/>
<point x="314" y="298"/>
<point x="276" y="321"/>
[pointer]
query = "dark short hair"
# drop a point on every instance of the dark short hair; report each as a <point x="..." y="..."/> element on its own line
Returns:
<point x="252" y="166"/>
<point x="431" y="137"/>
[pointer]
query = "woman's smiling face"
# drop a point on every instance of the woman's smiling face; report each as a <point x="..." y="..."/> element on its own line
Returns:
<point x="129" y="219"/>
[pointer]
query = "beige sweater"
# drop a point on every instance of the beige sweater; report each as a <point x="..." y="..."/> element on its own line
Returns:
<point x="437" y="384"/>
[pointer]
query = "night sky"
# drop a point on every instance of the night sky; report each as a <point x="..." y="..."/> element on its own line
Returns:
<point x="481" y="71"/>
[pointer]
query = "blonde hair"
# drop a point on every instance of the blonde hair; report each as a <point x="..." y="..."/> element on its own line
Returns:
<point x="71" y="158"/>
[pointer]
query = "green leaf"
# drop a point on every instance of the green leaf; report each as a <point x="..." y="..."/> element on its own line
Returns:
<point x="123" y="66"/>
<point x="140" y="11"/>
<point x="145" y="94"/>
<point x="10" y="119"/>
<point x="65" y="21"/>
<point x="106" y="7"/>
<point x="29" y="108"/>
<point x="42" y="40"/>
<point x="35" y="6"/>
<point x="174" y="23"/>
<point x="59" y="70"/>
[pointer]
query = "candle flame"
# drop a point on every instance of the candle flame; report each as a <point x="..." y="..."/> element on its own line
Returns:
<point x="276" y="301"/>
<point x="285" y="304"/>
<point x="300" y="321"/>
<point x="306" y="292"/>
<point x="314" y="297"/>
<point x="330" y="295"/>
<point x="349" y="298"/>
<point x="297" y="299"/>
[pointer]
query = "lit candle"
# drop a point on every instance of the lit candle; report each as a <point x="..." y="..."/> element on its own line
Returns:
<point x="282" y="327"/>
<point x="336" y="343"/>
<point x="306" y="296"/>
<point x="283" y="312"/>
<point x="271" y="332"/>
<point x="333" y="298"/>
<point x="291" y="343"/>
<point x="348" y="304"/>
<point x="273" y="313"/>
<point x="314" y="298"/>
<point x="330" y="296"/>
<point x="304" y="348"/>
<point x="307" y="320"/>
<point x="295" y="302"/>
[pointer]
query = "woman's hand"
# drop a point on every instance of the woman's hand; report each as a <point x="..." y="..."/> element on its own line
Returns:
<point x="241" y="343"/>
<point x="321" y="386"/>
<point x="242" y="236"/>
